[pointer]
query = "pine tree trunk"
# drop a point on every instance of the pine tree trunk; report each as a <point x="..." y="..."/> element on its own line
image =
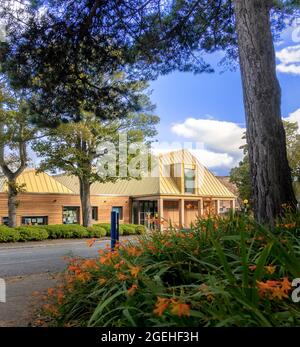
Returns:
<point x="12" y="204"/>
<point x="85" y="198"/>
<point x="270" y="172"/>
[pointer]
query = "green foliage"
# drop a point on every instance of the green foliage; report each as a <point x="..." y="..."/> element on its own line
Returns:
<point x="28" y="233"/>
<point x="8" y="234"/>
<point x="96" y="231"/>
<point x="63" y="231"/>
<point x="199" y="277"/>
<point x="106" y="226"/>
<point x="140" y="229"/>
<point x="127" y="229"/>
<point x="66" y="231"/>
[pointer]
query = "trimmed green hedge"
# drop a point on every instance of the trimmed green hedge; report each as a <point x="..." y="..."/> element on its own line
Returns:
<point x="64" y="231"/>
<point x="28" y="233"/>
<point x="97" y="231"/>
<point x="8" y="234"/>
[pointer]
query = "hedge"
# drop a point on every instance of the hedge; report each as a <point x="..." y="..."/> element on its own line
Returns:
<point x="28" y="233"/>
<point x="8" y="234"/>
<point x="64" y="231"/>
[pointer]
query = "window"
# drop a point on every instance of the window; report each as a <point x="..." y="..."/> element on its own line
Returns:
<point x="35" y="220"/>
<point x="71" y="215"/>
<point x="119" y="210"/>
<point x="189" y="181"/>
<point x="5" y="221"/>
<point x="224" y="206"/>
<point x="95" y="213"/>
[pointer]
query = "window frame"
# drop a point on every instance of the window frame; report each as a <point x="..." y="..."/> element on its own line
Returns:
<point x="121" y="215"/>
<point x="71" y="207"/>
<point x="189" y="179"/>
<point x="45" y="218"/>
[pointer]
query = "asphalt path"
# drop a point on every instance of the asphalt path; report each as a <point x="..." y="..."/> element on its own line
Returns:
<point x="43" y="257"/>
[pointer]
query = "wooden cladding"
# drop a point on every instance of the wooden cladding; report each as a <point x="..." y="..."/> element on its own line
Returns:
<point x="52" y="206"/>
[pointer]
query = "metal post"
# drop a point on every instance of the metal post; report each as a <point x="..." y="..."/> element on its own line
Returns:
<point x="114" y="229"/>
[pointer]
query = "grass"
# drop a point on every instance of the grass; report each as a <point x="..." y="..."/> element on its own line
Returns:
<point x="223" y="272"/>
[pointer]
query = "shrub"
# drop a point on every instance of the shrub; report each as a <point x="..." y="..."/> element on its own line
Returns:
<point x="32" y="233"/>
<point x="127" y="229"/>
<point x="8" y="234"/>
<point x="96" y="231"/>
<point x="227" y="271"/>
<point x="140" y="229"/>
<point x="106" y="226"/>
<point x="66" y="231"/>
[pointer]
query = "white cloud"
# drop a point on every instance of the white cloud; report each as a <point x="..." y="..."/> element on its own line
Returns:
<point x="289" y="58"/>
<point x="214" y="160"/>
<point x="217" y="142"/>
<point x="294" y="117"/>
<point x="217" y="136"/>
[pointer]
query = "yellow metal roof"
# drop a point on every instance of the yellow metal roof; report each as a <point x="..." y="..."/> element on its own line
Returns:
<point x="38" y="183"/>
<point x="206" y="183"/>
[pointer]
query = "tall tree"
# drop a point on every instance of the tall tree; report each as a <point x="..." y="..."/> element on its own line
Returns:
<point x="15" y="134"/>
<point x="270" y="172"/>
<point x="157" y="37"/>
<point x="75" y="148"/>
<point x="241" y="175"/>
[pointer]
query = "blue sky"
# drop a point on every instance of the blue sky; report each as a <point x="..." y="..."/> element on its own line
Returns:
<point x="208" y="108"/>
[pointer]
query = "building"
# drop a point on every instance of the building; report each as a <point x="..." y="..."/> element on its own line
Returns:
<point x="178" y="190"/>
<point x="233" y="188"/>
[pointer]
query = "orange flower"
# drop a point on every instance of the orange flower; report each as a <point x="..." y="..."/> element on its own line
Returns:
<point x="179" y="309"/>
<point x="134" y="270"/>
<point x="278" y="293"/>
<point x="121" y="276"/>
<point x="132" y="289"/>
<point x="133" y="251"/>
<point x="50" y="291"/>
<point x="84" y="277"/>
<point x="51" y="309"/>
<point x="252" y="267"/>
<point x="102" y="281"/>
<point x="270" y="269"/>
<point x="275" y="289"/>
<point x="91" y="242"/>
<point x="161" y="305"/>
<point x="103" y="260"/>
<point x="90" y="264"/>
<point x="286" y="285"/>
<point x="60" y="297"/>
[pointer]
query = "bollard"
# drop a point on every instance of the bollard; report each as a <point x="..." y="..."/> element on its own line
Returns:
<point x="114" y="229"/>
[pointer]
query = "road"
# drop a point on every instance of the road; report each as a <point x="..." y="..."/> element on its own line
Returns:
<point x="28" y="259"/>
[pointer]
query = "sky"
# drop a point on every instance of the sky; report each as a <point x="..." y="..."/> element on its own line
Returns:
<point x="205" y="112"/>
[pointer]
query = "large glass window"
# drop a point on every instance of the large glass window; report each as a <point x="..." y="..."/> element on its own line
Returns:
<point x="71" y="215"/>
<point x="119" y="210"/>
<point x="35" y="220"/>
<point x="189" y="181"/>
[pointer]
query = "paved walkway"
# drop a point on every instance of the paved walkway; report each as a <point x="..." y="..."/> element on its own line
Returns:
<point x="35" y="266"/>
<point x="21" y="307"/>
